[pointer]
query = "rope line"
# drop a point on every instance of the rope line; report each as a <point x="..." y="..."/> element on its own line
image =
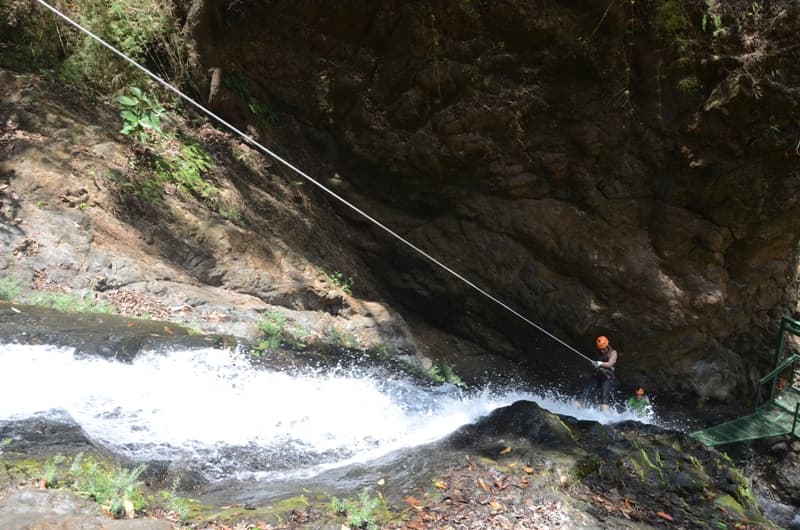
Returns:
<point x="316" y="183"/>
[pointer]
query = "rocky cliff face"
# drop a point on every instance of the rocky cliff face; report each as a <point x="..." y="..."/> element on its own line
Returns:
<point x="629" y="169"/>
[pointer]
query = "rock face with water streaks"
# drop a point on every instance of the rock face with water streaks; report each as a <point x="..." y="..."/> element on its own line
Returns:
<point x="602" y="168"/>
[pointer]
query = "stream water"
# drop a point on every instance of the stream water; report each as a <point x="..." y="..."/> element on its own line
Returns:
<point x="212" y="409"/>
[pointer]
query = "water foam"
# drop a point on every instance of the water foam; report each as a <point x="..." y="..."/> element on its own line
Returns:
<point x="212" y="405"/>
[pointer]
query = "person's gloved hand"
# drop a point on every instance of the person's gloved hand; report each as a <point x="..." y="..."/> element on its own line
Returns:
<point x="596" y="364"/>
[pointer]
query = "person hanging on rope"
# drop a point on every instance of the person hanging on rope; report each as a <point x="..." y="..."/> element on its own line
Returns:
<point x="603" y="380"/>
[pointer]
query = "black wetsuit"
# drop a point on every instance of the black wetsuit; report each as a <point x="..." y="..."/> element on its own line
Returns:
<point x="602" y="381"/>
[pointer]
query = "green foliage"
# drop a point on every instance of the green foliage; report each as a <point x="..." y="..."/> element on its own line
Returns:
<point x="716" y="22"/>
<point x="380" y="350"/>
<point x="180" y="506"/>
<point x="272" y="328"/>
<point x="672" y="18"/>
<point x="28" y="31"/>
<point x="233" y="215"/>
<point x="3" y="443"/>
<point x="186" y="169"/>
<point x="275" y="334"/>
<point x="50" y="470"/>
<point x="179" y="161"/>
<point x="9" y="289"/>
<point x="336" y="337"/>
<point x="673" y="23"/>
<point x="360" y="512"/>
<point x="345" y="283"/>
<point x="70" y="303"/>
<point x="110" y="486"/>
<point x="299" y="334"/>
<point x="443" y="373"/>
<point x="688" y="85"/>
<point x="144" y="30"/>
<point x="141" y="115"/>
<point x="238" y="84"/>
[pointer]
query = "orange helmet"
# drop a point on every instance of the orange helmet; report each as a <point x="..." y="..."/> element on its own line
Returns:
<point x="601" y="342"/>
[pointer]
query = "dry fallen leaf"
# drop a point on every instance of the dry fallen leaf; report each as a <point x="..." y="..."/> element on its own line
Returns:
<point x="505" y="451"/>
<point x="482" y="484"/>
<point x="167" y="330"/>
<point x="528" y="469"/>
<point x="664" y="516"/>
<point x="439" y="484"/>
<point x="496" y="506"/>
<point x="413" y="501"/>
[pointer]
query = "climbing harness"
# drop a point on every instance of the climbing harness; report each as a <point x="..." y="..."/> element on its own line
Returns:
<point x="316" y="183"/>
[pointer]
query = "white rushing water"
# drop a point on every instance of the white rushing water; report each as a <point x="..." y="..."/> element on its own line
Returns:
<point x="211" y="406"/>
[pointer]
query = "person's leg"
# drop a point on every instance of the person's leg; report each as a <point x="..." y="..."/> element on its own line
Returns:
<point x="586" y="394"/>
<point x="606" y="390"/>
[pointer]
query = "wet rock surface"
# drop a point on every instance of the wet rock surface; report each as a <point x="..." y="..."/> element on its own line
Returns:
<point x="107" y="335"/>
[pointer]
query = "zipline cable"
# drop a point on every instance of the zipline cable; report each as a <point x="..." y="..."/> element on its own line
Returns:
<point x="316" y="183"/>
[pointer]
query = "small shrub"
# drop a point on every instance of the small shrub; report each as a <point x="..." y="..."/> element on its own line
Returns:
<point x="341" y="281"/>
<point x="180" y="161"/>
<point x="186" y="169"/>
<point x="176" y="504"/>
<point x="3" y="443"/>
<point x="115" y="488"/>
<point x="141" y="116"/>
<point x="272" y="328"/>
<point x="232" y="215"/>
<point x="144" y="30"/>
<point x="299" y="336"/>
<point x="688" y="85"/>
<point x="360" y="512"/>
<point x="9" y="289"/>
<point x="443" y="373"/>
<point x="50" y="470"/>
<point x="337" y="337"/>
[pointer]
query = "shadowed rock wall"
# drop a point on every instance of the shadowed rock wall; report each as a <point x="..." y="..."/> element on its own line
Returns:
<point x="627" y="169"/>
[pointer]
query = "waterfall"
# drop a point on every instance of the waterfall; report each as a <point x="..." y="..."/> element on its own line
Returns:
<point x="212" y="408"/>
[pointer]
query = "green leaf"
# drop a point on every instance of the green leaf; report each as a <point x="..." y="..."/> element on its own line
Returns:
<point x="127" y="101"/>
<point x="135" y="91"/>
<point x="145" y="122"/>
<point x="155" y="122"/>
